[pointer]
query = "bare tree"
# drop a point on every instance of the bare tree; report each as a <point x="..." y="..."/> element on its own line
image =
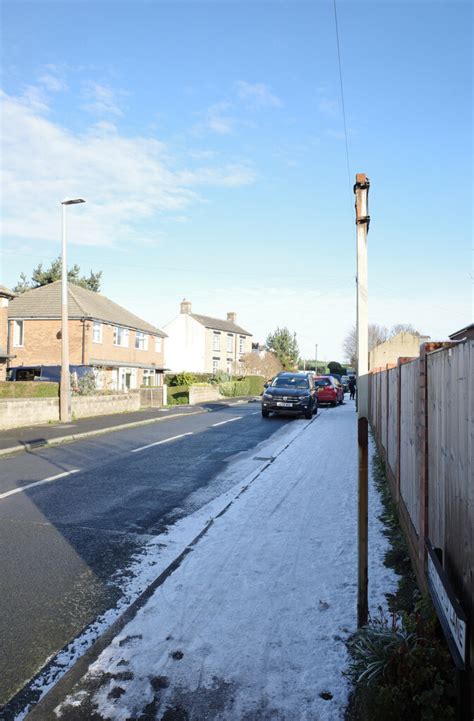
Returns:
<point x="266" y="365"/>
<point x="377" y="334"/>
<point x="403" y="328"/>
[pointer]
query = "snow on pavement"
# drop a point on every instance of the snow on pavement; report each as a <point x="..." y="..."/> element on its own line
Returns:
<point x="253" y="622"/>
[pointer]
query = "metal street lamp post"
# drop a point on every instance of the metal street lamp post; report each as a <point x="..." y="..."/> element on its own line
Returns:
<point x="64" y="387"/>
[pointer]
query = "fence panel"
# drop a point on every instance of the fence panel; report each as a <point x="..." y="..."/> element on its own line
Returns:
<point x="392" y="421"/>
<point x="409" y="466"/>
<point x="450" y="465"/>
<point x="383" y="411"/>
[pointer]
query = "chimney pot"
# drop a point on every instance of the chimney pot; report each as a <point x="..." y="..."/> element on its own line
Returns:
<point x="185" y="306"/>
<point x="232" y="317"/>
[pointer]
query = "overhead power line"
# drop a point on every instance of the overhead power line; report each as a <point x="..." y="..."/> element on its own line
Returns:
<point x="343" y="103"/>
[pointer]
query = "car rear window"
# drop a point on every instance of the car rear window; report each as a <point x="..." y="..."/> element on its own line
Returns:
<point x="322" y="382"/>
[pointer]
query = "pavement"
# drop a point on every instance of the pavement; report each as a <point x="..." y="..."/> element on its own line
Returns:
<point x="32" y="437"/>
<point x="253" y="599"/>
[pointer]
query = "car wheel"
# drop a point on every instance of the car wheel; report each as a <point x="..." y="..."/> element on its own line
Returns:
<point x="334" y="404"/>
<point x="265" y="413"/>
<point x="308" y="414"/>
<point x="315" y="409"/>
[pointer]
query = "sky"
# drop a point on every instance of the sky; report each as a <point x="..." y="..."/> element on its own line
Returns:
<point x="209" y="142"/>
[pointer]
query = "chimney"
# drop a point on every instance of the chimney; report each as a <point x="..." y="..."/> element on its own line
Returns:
<point x="232" y="317"/>
<point x="185" y="306"/>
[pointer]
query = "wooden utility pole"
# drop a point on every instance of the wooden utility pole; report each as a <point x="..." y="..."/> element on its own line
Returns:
<point x="361" y="190"/>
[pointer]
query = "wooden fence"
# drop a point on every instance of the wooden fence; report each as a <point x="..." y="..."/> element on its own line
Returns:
<point x="422" y="415"/>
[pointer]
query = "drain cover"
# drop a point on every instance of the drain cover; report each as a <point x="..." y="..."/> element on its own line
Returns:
<point x="263" y="458"/>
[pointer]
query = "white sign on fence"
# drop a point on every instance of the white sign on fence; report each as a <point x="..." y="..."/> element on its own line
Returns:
<point x="449" y="611"/>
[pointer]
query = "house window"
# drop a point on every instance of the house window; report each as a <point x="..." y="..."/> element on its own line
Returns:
<point x="215" y="365"/>
<point x="141" y="340"/>
<point x="148" y="377"/>
<point x="97" y="332"/>
<point x="229" y="342"/>
<point x="121" y="336"/>
<point x="216" y="341"/>
<point x="229" y="366"/>
<point x="157" y="344"/>
<point x="241" y="344"/>
<point x="17" y="333"/>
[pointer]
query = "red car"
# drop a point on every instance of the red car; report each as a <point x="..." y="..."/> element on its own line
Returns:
<point x="329" y="390"/>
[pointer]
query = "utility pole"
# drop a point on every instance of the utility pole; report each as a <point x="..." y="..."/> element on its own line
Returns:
<point x="64" y="386"/>
<point x="316" y="357"/>
<point x="361" y="190"/>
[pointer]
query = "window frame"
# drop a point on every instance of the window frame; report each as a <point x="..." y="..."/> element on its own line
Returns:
<point x="216" y="340"/>
<point x="96" y="325"/>
<point x="121" y="331"/>
<point x="18" y="324"/>
<point x="141" y="340"/>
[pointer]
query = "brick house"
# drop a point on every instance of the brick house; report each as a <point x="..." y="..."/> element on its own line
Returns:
<point x="125" y="350"/>
<point x="201" y="344"/>
<point x="6" y="296"/>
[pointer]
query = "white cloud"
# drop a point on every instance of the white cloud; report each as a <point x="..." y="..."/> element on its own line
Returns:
<point x="218" y="120"/>
<point x="128" y="183"/>
<point x="229" y="176"/>
<point x="35" y="98"/>
<point x="52" y="82"/>
<point x="101" y="100"/>
<point x="257" y="95"/>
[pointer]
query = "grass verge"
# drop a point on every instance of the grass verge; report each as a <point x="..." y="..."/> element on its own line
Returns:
<point x="400" y="667"/>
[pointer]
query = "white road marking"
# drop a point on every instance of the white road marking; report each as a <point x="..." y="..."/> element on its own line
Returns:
<point x="158" y="443"/>
<point x="38" y="483"/>
<point x="255" y="413"/>
<point x="221" y="423"/>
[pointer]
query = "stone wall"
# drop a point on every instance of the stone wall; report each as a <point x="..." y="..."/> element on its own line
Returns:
<point x="18" y="412"/>
<point x="203" y="394"/>
<point x="86" y="406"/>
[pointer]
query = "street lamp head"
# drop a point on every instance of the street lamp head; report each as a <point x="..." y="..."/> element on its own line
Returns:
<point x="72" y="201"/>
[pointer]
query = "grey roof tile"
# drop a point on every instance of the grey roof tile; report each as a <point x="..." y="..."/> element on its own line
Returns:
<point x="218" y="324"/>
<point x="4" y="291"/>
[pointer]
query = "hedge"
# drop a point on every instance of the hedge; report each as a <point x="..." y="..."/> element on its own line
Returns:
<point x="28" y="389"/>
<point x="177" y="395"/>
<point x="255" y="385"/>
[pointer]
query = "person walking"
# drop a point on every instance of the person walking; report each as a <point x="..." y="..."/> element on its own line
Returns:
<point x="352" y="387"/>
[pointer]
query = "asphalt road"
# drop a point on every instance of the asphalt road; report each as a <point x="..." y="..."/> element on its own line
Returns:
<point x="73" y="515"/>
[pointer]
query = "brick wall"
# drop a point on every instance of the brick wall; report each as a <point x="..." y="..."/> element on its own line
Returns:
<point x="106" y="349"/>
<point x="42" y="343"/>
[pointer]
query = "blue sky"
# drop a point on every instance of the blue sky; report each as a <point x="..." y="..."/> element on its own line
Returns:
<point x="208" y="140"/>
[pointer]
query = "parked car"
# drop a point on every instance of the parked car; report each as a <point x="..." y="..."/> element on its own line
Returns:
<point x="290" y="393"/>
<point x="45" y="373"/>
<point x="345" y="383"/>
<point x="329" y="390"/>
